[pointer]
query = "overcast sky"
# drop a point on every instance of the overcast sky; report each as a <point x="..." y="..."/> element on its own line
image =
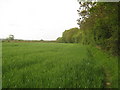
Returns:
<point x="37" y="19"/>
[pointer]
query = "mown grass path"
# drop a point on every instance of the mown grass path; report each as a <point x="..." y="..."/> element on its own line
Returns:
<point x="56" y="65"/>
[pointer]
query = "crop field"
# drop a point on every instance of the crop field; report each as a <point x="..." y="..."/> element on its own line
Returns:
<point x="57" y="65"/>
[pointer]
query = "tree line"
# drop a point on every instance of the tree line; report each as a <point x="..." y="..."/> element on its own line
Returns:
<point x="98" y="24"/>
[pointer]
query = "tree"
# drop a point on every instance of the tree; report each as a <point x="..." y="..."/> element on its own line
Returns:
<point x="70" y="35"/>
<point x="60" y="39"/>
<point x="99" y="24"/>
<point x="84" y="10"/>
<point x="11" y="37"/>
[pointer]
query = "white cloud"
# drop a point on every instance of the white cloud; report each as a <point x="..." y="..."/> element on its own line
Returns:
<point x="37" y="19"/>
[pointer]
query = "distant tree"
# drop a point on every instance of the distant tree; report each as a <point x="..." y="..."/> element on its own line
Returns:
<point x="60" y="39"/>
<point x="70" y="36"/>
<point x="41" y="40"/>
<point x="11" y="37"/>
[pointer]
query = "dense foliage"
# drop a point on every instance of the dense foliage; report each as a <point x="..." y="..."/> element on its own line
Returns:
<point x="70" y="36"/>
<point x="98" y="26"/>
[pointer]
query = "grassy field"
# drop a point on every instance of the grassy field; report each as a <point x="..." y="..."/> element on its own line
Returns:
<point x="57" y="65"/>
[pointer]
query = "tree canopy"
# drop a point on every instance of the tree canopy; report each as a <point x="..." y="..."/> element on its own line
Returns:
<point x="98" y="24"/>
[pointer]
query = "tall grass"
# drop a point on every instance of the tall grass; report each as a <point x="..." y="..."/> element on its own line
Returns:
<point x="56" y="65"/>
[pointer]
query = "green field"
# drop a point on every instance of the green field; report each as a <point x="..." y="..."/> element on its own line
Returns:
<point x="57" y="65"/>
